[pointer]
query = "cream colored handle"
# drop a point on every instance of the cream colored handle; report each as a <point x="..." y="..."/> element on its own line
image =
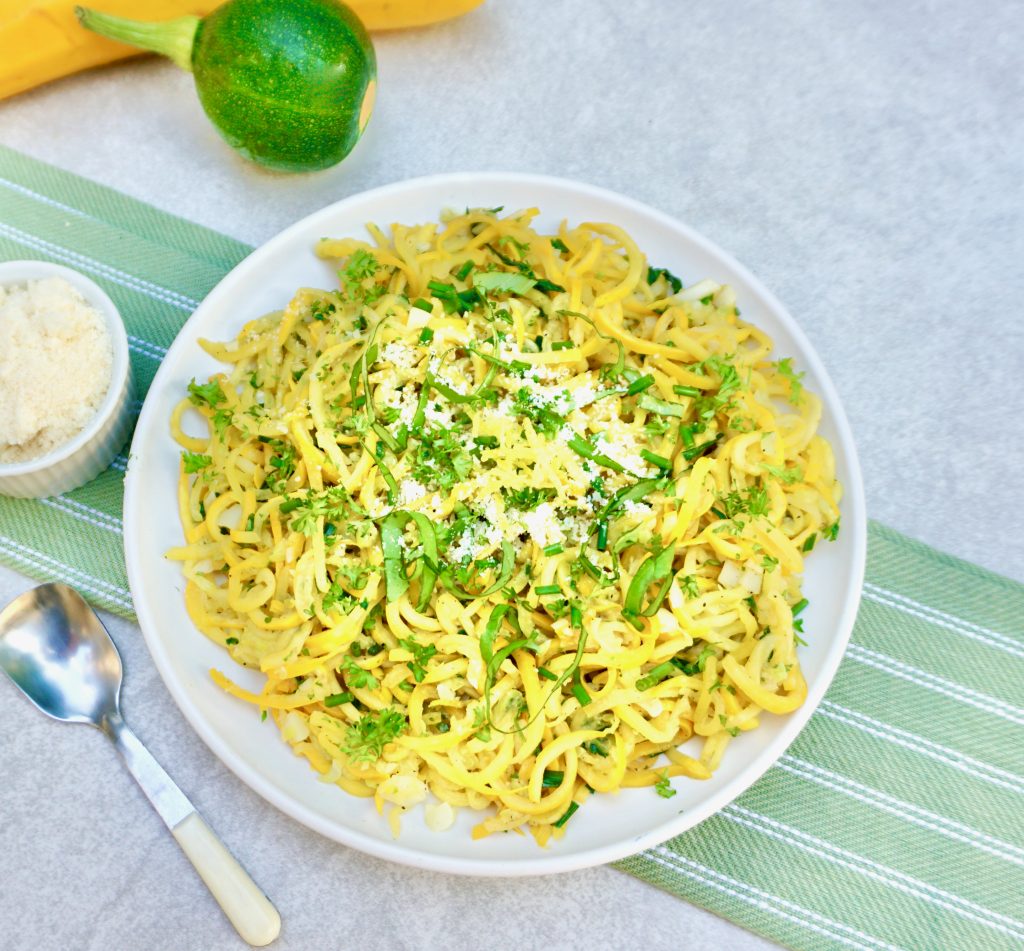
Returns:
<point x="247" y="908"/>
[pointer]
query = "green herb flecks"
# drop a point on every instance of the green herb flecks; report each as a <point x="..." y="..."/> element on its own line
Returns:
<point x="663" y="787"/>
<point x="360" y="267"/>
<point x="546" y="420"/>
<point x="753" y="501"/>
<point x="785" y="369"/>
<point x="194" y="461"/>
<point x="357" y="677"/>
<point x="528" y="498"/>
<point x="333" y="504"/>
<point x="785" y="476"/>
<point x="421" y="653"/>
<point x="365" y="740"/>
<point x="440" y="459"/>
<point x="654" y="273"/>
<point x="209" y="394"/>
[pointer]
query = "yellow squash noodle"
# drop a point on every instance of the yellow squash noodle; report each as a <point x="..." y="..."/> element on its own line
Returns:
<point x="505" y="519"/>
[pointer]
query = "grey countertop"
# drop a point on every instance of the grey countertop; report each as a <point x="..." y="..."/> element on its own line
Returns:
<point x="863" y="158"/>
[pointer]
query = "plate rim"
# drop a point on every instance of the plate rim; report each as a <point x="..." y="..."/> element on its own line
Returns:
<point x="855" y="524"/>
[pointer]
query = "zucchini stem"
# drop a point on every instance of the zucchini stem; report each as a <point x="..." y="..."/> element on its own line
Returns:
<point x="171" y="38"/>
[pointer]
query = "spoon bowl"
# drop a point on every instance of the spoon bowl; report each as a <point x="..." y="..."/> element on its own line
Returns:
<point x="58" y="653"/>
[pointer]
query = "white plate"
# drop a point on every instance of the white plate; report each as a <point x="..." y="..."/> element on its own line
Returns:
<point x="608" y="827"/>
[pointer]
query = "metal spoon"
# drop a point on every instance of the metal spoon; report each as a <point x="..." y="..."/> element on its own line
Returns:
<point x="54" y="648"/>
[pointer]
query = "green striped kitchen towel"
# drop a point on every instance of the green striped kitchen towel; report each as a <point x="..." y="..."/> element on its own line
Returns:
<point x="896" y="819"/>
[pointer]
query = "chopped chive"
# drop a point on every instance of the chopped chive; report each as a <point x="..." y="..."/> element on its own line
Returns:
<point x="583" y="448"/>
<point x="809" y="541"/>
<point x="563" y="345"/>
<point x="687" y="433"/>
<point x="692" y="453"/>
<point x="799" y="606"/>
<point x="640" y="384"/>
<point x="426" y="335"/>
<point x="580" y="693"/>
<point x="652" y="457"/>
<point x="552" y="778"/>
<point x="608" y="463"/>
<point x="555" y="549"/>
<point x="337" y="699"/>
<point x="231" y="640"/>
<point x="559" y="245"/>
<point x="573" y="806"/>
<point x="463" y="272"/>
<point x="575" y="616"/>
<point x="602" y="535"/>
<point x="686" y="390"/>
<point x="656" y="675"/>
<point x="423" y="304"/>
<point x="547" y="674"/>
<point x="548" y="589"/>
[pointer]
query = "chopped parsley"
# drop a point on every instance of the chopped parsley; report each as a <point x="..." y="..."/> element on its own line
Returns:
<point x="333" y="504"/>
<point x="752" y="501"/>
<point x="653" y="273"/>
<point x="195" y="461"/>
<point x="357" y="677"/>
<point x="206" y="394"/>
<point x="441" y="459"/>
<point x="280" y="465"/>
<point x="543" y="417"/>
<point x="689" y="586"/>
<point x="785" y="369"/>
<point x="359" y="267"/>
<point x="365" y="740"/>
<point x="784" y="475"/>
<point x="421" y="653"/>
<point x="528" y="498"/>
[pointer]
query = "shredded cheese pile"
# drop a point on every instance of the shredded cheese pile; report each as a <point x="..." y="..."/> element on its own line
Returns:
<point x="505" y="519"/>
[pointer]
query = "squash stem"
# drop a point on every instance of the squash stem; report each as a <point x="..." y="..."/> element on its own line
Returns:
<point x="170" y="38"/>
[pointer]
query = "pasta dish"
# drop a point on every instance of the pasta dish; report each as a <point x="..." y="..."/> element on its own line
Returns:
<point x="505" y="519"/>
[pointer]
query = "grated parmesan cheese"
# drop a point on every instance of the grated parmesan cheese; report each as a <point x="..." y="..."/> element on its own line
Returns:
<point x="56" y="360"/>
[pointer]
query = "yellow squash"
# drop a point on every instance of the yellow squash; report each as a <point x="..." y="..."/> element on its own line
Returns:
<point x="41" y="40"/>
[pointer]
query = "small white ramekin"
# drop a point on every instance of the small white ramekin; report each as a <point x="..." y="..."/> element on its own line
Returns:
<point x="87" y="454"/>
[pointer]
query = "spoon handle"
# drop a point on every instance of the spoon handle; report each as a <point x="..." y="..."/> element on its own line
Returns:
<point x="239" y="897"/>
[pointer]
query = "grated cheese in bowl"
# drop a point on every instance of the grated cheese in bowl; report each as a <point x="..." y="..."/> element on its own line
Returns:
<point x="56" y="358"/>
<point x="66" y="387"/>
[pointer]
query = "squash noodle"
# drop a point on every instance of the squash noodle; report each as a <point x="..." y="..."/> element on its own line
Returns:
<point x="505" y="520"/>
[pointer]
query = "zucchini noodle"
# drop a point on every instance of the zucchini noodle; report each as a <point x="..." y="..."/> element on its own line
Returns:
<point x="506" y="519"/>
